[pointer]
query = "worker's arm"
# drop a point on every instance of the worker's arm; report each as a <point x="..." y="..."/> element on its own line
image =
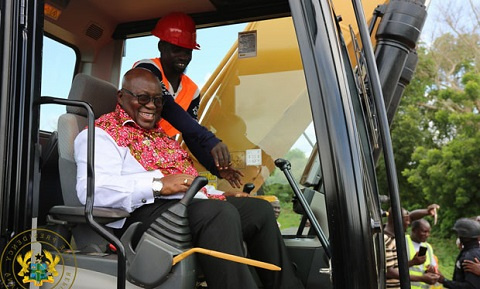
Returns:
<point x="471" y="282"/>
<point x="420" y="213"/>
<point x="392" y="273"/>
<point x="429" y="278"/>
<point x="199" y="140"/>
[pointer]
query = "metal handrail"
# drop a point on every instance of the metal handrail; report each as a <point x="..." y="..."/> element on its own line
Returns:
<point x="122" y="262"/>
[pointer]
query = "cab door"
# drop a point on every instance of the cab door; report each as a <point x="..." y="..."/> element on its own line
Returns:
<point x="21" y="34"/>
<point x="350" y="186"/>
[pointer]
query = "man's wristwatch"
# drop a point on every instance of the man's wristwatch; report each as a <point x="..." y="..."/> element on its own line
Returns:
<point x="157" y="186"/>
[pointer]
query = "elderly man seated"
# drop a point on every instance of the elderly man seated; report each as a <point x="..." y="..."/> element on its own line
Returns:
<point x="138" y="168"/>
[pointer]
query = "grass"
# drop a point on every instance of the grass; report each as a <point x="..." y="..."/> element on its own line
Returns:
<point x="446" y="251"/>
<point x="288" y="218"/>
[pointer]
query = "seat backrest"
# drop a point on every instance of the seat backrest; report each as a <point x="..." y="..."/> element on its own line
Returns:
<point x="102" y="96"/>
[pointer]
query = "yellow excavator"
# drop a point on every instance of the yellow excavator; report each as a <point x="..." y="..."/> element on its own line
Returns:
<point x="242" y="98"/>
<point x="325" y="76"/>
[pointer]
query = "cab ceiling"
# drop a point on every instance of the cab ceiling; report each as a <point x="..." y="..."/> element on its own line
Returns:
<point x="92" y="25"/>
<point x="127" y="18"/>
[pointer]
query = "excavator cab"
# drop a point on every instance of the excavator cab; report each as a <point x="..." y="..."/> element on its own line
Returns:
<point x="318" y="77"/>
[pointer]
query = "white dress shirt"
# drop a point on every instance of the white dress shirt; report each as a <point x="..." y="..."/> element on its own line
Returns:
<point x="120" y="180"/>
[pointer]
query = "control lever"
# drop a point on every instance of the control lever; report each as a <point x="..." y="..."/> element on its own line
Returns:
<point x="285" y="167"/>
<point x="248" y="187"/>
<point x="167" y="236"/>
<point x="198" y="183"/>
<point x="172" y="225"/>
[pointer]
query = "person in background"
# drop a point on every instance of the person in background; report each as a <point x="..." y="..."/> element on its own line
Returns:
<point x="392" y="273"/>
<point x="177" y="39"/>
<point x="140" y="169"/>
<point x="469" y="265"/>
<point x="181" y="95"/>
<point x="458" y="243"/>
<point x="275" y="202"/>
<point x="420" y="264"/>
<point x="276" y="206"/>
<point x="468" y="231"/>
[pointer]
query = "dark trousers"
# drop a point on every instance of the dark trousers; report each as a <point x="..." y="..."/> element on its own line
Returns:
<point x="221" y="226"/>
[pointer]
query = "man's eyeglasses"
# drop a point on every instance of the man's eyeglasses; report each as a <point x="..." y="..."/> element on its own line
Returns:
<point x="144" y="99"/>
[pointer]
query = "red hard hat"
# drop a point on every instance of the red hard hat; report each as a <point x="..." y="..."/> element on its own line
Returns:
<point x="177" y="28"/>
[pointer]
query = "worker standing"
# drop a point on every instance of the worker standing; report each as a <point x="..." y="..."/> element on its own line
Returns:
<point x="178" y="38"/>
<point x="420" y="263"/>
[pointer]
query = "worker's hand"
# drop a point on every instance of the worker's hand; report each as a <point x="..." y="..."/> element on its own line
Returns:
<point x="233" y="176"/>
<point x="471" y="266"/>
<point x="417" y="260"/>
<point x="221" y="156"/>
<point x="441" y="278"/>
<point x="432" y="208"/>
<point x="430" y="278"/>
<point x="236" y="194"/>
<point x="174" y="184"/>
<point x="431" y="269"/>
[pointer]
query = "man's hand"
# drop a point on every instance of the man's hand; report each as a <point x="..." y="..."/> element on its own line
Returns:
<point x="472" y="267"/>
<point x="430" y="278"/>
<point x="174" y="184"/>
<point x="233" y="176"/>
<point x="221" y="156"/>
<point x="420" y="213"/>
<point x="417" y="260"/>
<point x="431" y="269"/>
<point x="441" y="278"/>
<point x="432" y="209"/>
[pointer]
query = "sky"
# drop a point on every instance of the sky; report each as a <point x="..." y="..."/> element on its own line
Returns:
<point x="458" y="11"/>
<point x="58" y="61"/>
<point x="217" y="41"/>
<point x="214" y="44"/>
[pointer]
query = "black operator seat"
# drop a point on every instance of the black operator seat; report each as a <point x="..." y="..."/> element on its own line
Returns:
<point x="102" y="96"/>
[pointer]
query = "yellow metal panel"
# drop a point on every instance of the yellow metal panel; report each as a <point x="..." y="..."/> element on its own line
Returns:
<point x="259" y="102"/>
<point x="262" y="102"/>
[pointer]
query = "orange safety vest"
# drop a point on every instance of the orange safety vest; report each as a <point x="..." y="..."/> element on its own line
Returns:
<point x="184" y="97"/>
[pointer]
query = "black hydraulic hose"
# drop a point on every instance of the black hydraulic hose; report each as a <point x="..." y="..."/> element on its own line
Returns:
<point x="285" y="166"/>
<point x="405" y="78"/>
<point x="386" y="140"/>
<point x="397" y="35"/>
<point x="122" y="263"/>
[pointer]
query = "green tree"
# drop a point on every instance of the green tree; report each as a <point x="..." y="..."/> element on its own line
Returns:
<point x="277" y="184"/>
<point x="435" y="131"/>
<point x="409" y="130"/>
<point x="448" y="174"/>
<point x="297" y="159"/>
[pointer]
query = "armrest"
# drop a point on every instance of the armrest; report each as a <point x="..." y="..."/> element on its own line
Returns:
<point x="76" y="215"/>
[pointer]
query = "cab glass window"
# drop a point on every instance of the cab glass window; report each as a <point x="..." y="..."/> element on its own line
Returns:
<point x="254" y="98"/>
<point x="58" y="68"/>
